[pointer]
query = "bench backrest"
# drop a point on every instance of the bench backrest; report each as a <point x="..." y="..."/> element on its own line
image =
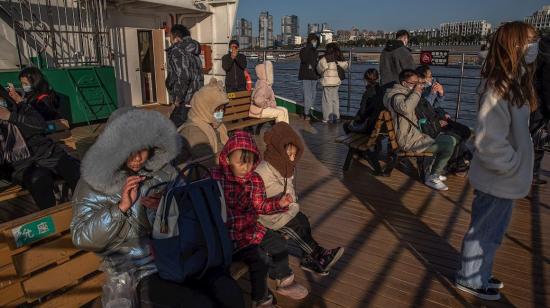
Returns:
<point x="238" y="106"/>
<point x="39" y="264"/>
<point x="384" y="120"/>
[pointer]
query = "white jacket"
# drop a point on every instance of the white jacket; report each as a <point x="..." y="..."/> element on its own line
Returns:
<point x="503" y="160"/>
<point x="329" y="72"/>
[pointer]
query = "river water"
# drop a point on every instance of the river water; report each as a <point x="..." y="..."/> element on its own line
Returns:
<point x="287" y="85"/>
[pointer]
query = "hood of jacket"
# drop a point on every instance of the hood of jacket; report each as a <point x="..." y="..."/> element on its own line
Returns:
<point x="275" y="154"/>
<point x="206" y="101"/>
<point x="544" y="48"/>
<point x="187" y="45"/>
<point x="264" y="71"/>
<point x="240" y="140"/>
<point x="128" y="131"/>
<point x="393" y="45"/>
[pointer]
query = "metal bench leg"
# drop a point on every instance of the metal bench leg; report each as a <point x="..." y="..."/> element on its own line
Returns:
<point x="349" y="157"/>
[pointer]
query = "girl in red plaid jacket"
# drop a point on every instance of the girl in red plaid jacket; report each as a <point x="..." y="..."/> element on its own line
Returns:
<point x="264" y="251"/>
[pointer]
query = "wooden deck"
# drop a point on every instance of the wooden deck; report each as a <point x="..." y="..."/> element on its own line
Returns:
<point x="402" y="239"/>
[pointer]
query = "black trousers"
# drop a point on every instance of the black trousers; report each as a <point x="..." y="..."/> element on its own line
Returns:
<point x="299" y="230"/>
<point x="40" y="180"/>
<point x="268" y="258"/>
<point x="215" y="289"/>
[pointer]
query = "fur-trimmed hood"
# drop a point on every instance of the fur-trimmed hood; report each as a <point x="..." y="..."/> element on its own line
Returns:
<point x="128" y="130"/>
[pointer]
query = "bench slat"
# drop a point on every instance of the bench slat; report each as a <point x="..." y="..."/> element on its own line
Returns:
<point x="239" y="101"/>
<point x="79" y="295"/>
<point x="60" y="276"/>
<point x="239" y="94"/>
<point x="10" y="294"/>
<point x="237" y="109"/>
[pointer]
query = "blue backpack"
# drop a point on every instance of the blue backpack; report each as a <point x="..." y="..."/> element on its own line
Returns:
<point x="189" y="234"/>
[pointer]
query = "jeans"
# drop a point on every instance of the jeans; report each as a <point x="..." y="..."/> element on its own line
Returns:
<point x="331" y="103"/>
<point x="490" y="218"/>
<point x="298" y="230"/>
<point x="274" y="244"/>
<point x="256" y="260"/>
<point x="215" y="289"/>
<point x="443" y="149"/>
<point x="310" y="93"/>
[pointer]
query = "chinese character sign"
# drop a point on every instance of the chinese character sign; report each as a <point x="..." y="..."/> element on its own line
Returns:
<point x="33" y="231"/>
<point x="434" y="57"/>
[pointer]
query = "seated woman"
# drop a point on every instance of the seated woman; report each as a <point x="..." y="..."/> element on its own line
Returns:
<point x="204" y="133"/>
<point x="113" y="218"/>
<point x="371" y="105"/>
<point x="37" y="93"/>
<point x="46" y="159"/>
<point x="284" y="148"/>
<point x="263" y="97"/>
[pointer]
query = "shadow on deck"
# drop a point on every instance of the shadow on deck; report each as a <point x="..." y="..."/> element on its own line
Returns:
<point x="402" y="239"/>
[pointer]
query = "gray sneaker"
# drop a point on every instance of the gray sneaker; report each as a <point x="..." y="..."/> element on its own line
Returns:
<point x="435" y="182"/>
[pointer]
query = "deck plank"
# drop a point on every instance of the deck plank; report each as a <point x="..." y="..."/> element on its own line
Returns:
<point x="402" y="239"/>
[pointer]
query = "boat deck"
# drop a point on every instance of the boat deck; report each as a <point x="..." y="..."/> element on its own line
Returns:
<point x="402" y="239"/>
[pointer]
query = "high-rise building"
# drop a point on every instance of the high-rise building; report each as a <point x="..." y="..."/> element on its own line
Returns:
<point x="540" y="19"/>
<point x="243" y="33"/>
<point x="465" y="28"/>
<point x="289" y="29"/>
<point x="313" y="28"/>
<point x="266" y="30"/>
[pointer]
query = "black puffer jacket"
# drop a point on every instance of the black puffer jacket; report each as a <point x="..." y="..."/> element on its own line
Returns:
<point x="234" y="72"/>
<point x="309" y="57"/>
<point x="394" y="58"/>
<point x="184" y="67"/>
<point x="47" y="104"/>
<point x="44" y="152"/>
<point x="542" y="77"/>
<point x="371" y="106"/>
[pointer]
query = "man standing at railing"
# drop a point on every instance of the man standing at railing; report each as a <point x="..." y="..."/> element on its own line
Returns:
<point x="395" y="58"/>
<point x="234" y="64"/>
<point x="308" y="73"/>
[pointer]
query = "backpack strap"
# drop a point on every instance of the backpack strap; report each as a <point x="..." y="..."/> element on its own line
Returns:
<point x="392" y="99"/>
<point x="227" y="248"/>
<point x="206" y="224"/>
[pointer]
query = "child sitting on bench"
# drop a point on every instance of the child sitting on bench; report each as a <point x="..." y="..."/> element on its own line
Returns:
<point x="284" y="150"/>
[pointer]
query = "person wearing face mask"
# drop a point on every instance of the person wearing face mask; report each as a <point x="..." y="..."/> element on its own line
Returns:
<point x="37" y="93"/>
<point x="502" y="168"/>
<point x="234" y="65"/>
<point x="309" y="57"/>
<point x="401" y="100"/>
<point x="540" y="117"/>
<point x="395" y="58"/>
<point x="47" y="159"/>
<point x="204" y="133"/>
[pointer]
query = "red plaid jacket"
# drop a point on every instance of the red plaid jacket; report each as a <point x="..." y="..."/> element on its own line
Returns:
<point x="245" y="197"/>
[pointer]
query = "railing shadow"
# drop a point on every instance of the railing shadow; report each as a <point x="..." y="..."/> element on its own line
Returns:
<point x="386" y="204"/>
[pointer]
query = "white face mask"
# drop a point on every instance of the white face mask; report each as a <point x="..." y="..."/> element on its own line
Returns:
<point x="532" y="52"/>
<point x="218" y="116"/>
<point x="27" y="89"/>
<point x="3" y="103"/>
<point x="406" y="85"/>
<point x="314" y="43"/>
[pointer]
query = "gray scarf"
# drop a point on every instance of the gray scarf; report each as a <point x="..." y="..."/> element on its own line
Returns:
<point x="12" y="144"/>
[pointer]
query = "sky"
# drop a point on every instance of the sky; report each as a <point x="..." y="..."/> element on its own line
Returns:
<point x="387" y="15"/>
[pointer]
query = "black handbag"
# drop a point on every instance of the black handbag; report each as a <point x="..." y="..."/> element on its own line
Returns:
<point x="341" y="72"/>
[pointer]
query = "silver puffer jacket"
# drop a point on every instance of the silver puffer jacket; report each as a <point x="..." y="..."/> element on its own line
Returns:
<point x="122" y="240"/>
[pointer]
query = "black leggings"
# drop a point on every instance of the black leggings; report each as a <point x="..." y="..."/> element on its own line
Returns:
<point x="215" y="289"/>
<point x="40" y="181"/>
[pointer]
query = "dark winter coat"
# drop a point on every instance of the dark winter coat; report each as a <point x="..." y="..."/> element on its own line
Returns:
<point x="309" y="57"/>
<point x="542" y="79"/>
<point x="394" y="58"/>
<point x="235" y="80"/>
<point x="371" y="105"/>
<point x="44" y="151"/>
<point x="185" y="76"/>
<point x="47" y="104"/>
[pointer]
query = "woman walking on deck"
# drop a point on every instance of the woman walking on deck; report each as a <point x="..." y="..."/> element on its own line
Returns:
<point x="502" y="168"/>
<point x="330" y="67"/>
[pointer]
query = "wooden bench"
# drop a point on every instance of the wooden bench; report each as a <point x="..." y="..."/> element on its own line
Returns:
<point x="236" y="112"/>
<point x="361" y="143"/>
<point x="40" y="266"/>
<point x="60" y="132"/>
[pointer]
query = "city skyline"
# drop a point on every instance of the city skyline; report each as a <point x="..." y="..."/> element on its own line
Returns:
<point x="446" y="12"/>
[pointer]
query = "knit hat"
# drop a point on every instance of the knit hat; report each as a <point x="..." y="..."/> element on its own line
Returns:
<point x="275" y="154"/>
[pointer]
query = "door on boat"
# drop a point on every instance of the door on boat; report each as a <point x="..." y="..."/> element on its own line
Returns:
<point x="159" y="54"/>
<point x="131" y="51"/>
<point x="147" y="66"/>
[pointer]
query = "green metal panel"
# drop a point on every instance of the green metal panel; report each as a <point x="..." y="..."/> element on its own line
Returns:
<point x="87" y="93"/>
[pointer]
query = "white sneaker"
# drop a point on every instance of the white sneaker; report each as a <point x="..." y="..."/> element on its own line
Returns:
<point x="442" y="178"/>
<point x="435" y="182"/>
